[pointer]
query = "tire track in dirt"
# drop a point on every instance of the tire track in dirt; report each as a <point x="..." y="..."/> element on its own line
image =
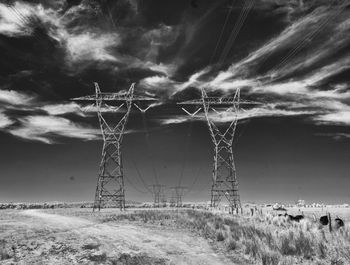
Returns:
<point x="175" y="247"/>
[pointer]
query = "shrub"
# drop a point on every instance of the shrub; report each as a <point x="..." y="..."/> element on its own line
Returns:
<point x="251" y="248"/>
<point x="220" y="236"/>
<point x="231" y="245"/>
<point x="231" y="222"/>
<point x="235" y="232"/>
<point x="303" y="246"/>
<point x="4" y="253"/>
<point x="286" y="248"/>
<point x="270" y="258"/>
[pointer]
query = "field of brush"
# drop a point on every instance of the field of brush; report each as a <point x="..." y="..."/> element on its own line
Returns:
<point x="171" y="236"/>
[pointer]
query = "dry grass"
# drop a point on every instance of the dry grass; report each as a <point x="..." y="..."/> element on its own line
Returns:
<point x="262" y="240"/>
<point x="5" y="253"/>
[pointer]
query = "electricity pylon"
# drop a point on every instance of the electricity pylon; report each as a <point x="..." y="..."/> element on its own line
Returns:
<point x="110" y="189"/>
<point x="224" y="176"/>
<point x="158" y="194"/>
<point x="177" y="195"/>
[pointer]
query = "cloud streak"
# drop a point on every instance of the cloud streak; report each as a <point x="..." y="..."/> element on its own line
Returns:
<point x="304" y="81"/>
<point x="295" y="72"/>
<point x="59" y="109"/>
<point x="5" y="121"/>
<point x="14" y="98"/>
<point x="12" y="24"/>
<point x="44" y="128"/>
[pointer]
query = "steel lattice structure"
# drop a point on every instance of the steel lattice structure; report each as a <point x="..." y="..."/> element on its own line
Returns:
<point x="110" y="189"/>
<point x="158" y="194"/>
<point x="224" y="175"/>
<point x="177" y="195"/>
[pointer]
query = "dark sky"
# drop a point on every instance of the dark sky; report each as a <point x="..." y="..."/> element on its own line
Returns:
<point x="293" y="56"/>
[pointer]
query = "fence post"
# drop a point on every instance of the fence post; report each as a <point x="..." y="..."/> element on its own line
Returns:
<point x="330" y="222"/>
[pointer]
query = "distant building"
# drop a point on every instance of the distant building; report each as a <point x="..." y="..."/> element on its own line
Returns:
<point x="278" y="207"/>
<point x="300" y="203"/>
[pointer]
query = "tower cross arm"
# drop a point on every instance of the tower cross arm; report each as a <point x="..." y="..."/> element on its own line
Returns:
<point x="124" y="95"/>
<point x="219" y="101"/>
<point x="114" y="97"/>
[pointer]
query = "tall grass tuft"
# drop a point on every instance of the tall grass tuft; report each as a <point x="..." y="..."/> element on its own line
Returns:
<point x="220" y="236"/>
<point x="270" y="258"/>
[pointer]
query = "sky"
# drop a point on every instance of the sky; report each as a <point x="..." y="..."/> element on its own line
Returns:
<point x="292" y="56"/>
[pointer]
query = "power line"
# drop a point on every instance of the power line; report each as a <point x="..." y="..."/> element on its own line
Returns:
<point x="105" y="3"/>
<point x="245" y="125"/>
<point x="222" y="32"/>
<point x="302" y="43"/>
<point x="187" y="143"/>
<point x="148" y="142"/>
<point x="235" y="31"/>
<point x="139" y="175"/>
<point x="132" y="185"/>
<point x="195" y="180"/>
<point x="24" y="20"/>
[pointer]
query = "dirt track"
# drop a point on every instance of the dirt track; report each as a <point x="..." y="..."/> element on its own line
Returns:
<point x="72" y="240"/>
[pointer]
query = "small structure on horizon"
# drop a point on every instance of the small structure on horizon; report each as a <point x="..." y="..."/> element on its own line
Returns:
<point x="300" y="203"/>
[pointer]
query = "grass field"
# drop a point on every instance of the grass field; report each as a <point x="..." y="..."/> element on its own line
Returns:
<point x="169" y="236"/>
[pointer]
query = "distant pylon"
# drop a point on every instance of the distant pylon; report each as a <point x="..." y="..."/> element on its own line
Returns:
<point x="110" y="189"/>
<point x="158" y="194"/>
<point x="224" y="176"/>
<point x="177" y="195"/>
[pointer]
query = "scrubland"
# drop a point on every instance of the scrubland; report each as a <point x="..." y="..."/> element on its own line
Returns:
<point x="261" y="239"/>
<point x="264" y="239"/>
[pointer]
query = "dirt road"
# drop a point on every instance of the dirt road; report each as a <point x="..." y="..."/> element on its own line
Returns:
<point x="56" y="239"/>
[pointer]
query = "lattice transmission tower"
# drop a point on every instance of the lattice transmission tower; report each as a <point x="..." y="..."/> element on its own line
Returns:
<point x="178" y="193"/>
<point x="158" y="194"/>
<point x="224" y="175"/>
<point x="110" y="190"/>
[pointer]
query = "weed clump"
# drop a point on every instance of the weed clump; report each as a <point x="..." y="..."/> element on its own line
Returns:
<point x="270" y="258"/>
<point x="4" y="252"/>
<point x="231" y="245"/>
<point x="220" y="236"/>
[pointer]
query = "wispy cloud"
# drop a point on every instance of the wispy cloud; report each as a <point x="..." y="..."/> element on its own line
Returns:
<point x="40" y="127"/>
<point x="88" y="46"/>
<point x="335" y="136"/>
<point x="302" y="84"/>
<point x="269" y="110"/>
<point x="81" y="43"/>
<point x="59" y="109"/>
<point x="158" y="83"/>
<point x="175" y="120"/>
<point x="14" y="98"/>
<point x="334" y="118"/>
<point x="301" y="80"/>
<point x="5" y="121"/>
<point x="45" y="128"/>
<point x="11" y="23"/>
